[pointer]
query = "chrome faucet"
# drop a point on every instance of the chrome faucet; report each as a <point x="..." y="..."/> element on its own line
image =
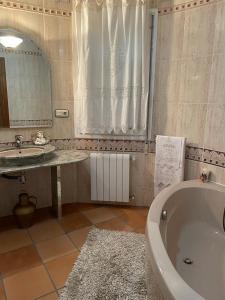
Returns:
<point x="205" y="174"/>
<point x="19" y="140"/>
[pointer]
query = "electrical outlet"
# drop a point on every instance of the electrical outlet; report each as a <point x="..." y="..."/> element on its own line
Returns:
<point x="61" y="113"/>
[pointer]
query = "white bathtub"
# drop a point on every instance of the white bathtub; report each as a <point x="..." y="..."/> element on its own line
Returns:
<point x="193" y="229"/>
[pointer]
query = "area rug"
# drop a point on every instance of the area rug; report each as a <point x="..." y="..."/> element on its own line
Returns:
<point x="109" y="267"/>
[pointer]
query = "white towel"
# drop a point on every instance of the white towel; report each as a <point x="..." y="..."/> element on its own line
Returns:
<point x="169" y="161"/>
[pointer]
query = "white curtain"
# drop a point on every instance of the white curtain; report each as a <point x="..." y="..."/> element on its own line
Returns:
<point x="112" y="41"/>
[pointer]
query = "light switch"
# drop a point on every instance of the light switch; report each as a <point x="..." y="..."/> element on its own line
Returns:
<point x="61" y="113"/>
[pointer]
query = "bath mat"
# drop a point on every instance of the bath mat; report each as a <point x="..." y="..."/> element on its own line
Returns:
<point x="109" y="267"/>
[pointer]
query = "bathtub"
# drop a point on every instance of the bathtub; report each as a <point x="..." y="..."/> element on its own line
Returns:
<point x="185" y="247"/>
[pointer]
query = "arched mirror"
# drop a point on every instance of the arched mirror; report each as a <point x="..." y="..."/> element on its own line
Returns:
<point x="25" y="82"/>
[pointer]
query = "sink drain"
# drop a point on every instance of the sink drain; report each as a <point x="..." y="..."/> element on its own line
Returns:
<point x="188" y="261"/>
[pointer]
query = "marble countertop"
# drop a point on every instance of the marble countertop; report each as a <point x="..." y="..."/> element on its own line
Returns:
<point x="60" y="157"/>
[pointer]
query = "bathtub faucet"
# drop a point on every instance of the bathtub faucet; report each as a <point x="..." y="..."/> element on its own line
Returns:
<point x="204" y="175"/>
<point x="19" y="140"/>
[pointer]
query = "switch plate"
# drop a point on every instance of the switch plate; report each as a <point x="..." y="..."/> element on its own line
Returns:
<point x="62" y="113"/>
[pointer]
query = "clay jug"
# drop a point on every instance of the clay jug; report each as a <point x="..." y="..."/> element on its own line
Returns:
<point x="24" y="210"/>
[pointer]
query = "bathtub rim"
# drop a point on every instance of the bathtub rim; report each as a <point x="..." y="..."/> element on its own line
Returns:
<point x="172" y="284"/>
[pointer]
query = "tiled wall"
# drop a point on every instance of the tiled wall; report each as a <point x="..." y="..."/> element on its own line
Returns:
<point x="189" y="96"/>
<point x="48" y="23"/>
<point x="190" y="76"/>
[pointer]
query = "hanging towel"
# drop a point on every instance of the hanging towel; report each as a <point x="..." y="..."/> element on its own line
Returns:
<point x="169" y="161"/>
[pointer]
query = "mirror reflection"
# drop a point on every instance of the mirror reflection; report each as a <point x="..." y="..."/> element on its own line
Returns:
<point x="25" y="82"/>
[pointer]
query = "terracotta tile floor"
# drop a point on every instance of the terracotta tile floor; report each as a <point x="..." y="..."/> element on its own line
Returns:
<point x="35" y="263"/>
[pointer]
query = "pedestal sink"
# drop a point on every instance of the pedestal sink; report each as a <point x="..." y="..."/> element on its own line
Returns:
<point x="25" y="154"/>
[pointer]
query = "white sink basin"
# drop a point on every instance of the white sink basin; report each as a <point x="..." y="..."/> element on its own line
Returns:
<point x="24" y="154"/>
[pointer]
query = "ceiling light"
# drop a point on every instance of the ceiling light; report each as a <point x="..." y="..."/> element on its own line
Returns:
<point x="10" y="41"/>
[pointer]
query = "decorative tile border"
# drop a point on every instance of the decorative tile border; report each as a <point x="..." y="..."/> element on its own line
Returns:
<point x="100" y="145"/>
<point x="207" y="156"/>
<point x="185" y="6"/>
<point x="30" y="123"/>
<point x="66" y="13"/>
<point x="14" y="51"/>
<point x="35" y="8"/>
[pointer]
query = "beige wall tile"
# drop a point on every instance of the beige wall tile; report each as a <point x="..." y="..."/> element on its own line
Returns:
<point x="199" y="31"/>
<point x="58" y="37"/>
<point x="165" y="117"/>
<point x="217" y="79"/>
<point x="219" y="39"/>
<point x="69" y="183"/>
<point x="191" y="120"/>
<point x="62" y="83"/>
<point x="32" y="2"/>
<point x="214" y="127"/>
<point x="217" y="174"/>
<point x="66" y="4"/>
<point x="84" y="181"/>
<point x="192" y="169"/>
<point x="168" y="77"/>
<point x="164" y="3"/>
<point x="170" y="36"/>
<point x="194" y="79"/>
<point x="32" y="25"/>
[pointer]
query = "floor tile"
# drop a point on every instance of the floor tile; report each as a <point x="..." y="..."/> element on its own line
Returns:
<point x="98" y="215"/>
<point x="45" y="230"/>
<point x="18" y="260"/>
<point x="7" y="223"/>
<point x="2" y="294"/>
<point x="140" y="230"/>
<point x="60" y="268"/>
<point x="74" y="221"/>
<point x="28" y="285"/>
<point x="53" y="248"/>
<point x="52" y="296"/>
<point x="117" y="209"/>
<point x="79" y="236"/>
<point x="143" y="211"/>
<point x="86" y="206"/>
<point x="43" y="214"/>
<point x="13" y="239"/>
<point x="114" y="224"/>
<point x="69" y="208"/>
<point x="133" y="218"/>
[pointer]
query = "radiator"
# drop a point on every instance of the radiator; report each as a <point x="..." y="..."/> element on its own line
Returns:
<point x="110" y="177"/>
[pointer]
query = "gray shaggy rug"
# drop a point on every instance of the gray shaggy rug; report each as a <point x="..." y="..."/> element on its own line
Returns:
<point x="110" y="266"/>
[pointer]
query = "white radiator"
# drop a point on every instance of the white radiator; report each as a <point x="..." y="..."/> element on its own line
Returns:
<point x="110" y="177"/>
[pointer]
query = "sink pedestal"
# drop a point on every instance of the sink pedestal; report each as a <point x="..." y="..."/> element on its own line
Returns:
<point x="56" y="191"/>
<point x="61" y="157"/>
